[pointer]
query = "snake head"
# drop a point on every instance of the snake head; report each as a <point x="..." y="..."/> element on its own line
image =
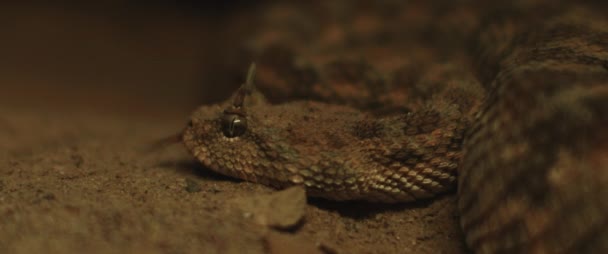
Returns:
<point x="278" y="145"/>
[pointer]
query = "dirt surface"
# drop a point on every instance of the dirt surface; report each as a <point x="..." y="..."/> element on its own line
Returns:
<point x="85" y="93"/>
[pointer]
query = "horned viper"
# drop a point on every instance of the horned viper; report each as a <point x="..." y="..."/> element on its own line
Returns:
<point x="384" y="107"/>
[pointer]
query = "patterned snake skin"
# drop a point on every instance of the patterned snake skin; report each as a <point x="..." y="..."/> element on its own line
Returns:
<point x="380" y="105"/>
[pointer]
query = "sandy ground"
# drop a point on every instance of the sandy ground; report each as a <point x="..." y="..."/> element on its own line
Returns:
<point x="85" y="92"/>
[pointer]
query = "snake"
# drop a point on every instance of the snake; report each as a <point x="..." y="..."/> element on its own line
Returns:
<point x="505" y="103"/>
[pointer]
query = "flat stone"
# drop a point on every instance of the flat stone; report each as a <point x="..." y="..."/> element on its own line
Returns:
<point x="282" y="209"/>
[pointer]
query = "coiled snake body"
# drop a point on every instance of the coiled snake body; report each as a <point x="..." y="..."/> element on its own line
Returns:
<point x="522" y="135"/>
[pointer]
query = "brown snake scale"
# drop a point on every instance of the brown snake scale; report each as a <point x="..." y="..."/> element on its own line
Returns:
<point x="522" y="133"/>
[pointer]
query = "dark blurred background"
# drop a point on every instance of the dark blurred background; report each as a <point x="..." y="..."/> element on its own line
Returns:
<point x="127" y="56"/>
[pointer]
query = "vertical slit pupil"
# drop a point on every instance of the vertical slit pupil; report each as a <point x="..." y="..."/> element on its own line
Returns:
<point x="233" y="125"/>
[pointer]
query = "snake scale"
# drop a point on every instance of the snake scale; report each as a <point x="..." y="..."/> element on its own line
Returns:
<point x="395" y="102"/>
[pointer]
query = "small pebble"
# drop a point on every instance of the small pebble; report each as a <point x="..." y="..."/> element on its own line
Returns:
<point x="192" y="186"/>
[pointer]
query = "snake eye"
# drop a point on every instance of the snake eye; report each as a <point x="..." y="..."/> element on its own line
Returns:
<point x="233" y="125"/>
